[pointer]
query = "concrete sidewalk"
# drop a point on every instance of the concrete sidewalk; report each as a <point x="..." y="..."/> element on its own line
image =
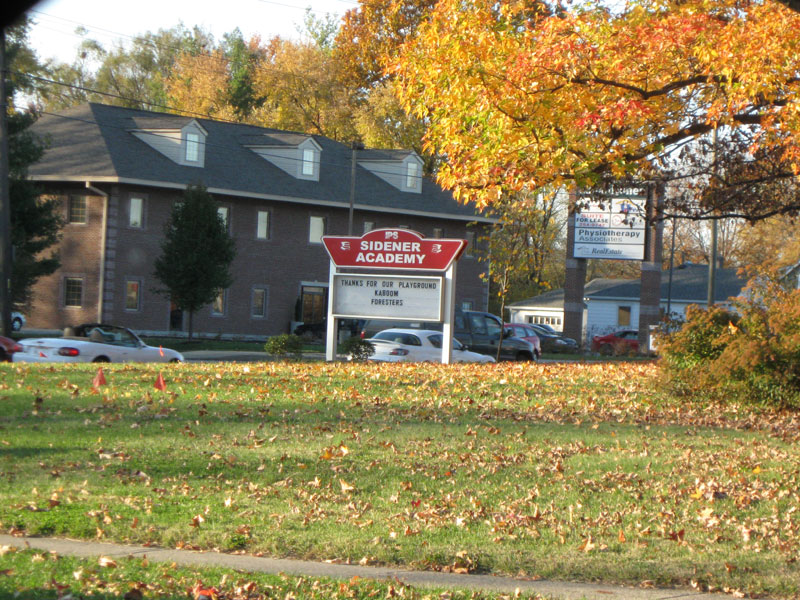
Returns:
<point x="425" y="579"/>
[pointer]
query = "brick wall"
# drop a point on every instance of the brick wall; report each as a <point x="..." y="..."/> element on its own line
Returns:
<point x="280" y="264"/>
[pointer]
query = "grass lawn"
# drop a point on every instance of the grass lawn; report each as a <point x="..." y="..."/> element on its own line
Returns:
<point x="562" y="471"/>
<point x="41" y="575"/>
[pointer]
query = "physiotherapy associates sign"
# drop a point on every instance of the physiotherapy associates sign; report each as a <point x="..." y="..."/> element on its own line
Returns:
<point x="400" y="249"/>
<point x="612" y="228"/>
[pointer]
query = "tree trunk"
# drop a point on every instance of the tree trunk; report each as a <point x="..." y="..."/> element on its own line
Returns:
<point x="191" y="324"/>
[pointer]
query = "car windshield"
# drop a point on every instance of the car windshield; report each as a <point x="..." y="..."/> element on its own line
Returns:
<point x="398" y="337"/>
<point x="436" y="341"/>
<point x="116" y="336"/>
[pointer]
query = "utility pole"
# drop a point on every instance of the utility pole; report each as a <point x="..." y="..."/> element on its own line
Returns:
<point x="355" y="147"/>
<point x="5" y="200"/>
<point x="712" y="263"/>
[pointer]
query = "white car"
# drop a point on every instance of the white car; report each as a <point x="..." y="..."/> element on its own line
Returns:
<point x="93" y="343"/>
<point x="418" y="345"/>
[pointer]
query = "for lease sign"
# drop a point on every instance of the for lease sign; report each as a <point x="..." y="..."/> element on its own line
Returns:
<point x="613" y="228"/>
<point x="387" y="297"/>
<point x="393" y="249"/>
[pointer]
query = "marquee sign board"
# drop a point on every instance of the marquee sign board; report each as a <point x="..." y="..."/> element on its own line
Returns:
<point x="387" y="297"/>
<point x="397" y="297"/>
<point x="612" y="228"/>
<point x="400" y="249"/>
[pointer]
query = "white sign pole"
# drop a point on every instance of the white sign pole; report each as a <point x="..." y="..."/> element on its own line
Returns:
<point x="330" y="344"/>
<point x="449" y="313"/>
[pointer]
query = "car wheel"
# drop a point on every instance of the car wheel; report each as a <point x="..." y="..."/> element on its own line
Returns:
<point x="606" y="350"/>
<point x="524" y="357"/>
<point x="16" y="324"/>
<point x="175" y="360"/>
<point x="101" y="359"/>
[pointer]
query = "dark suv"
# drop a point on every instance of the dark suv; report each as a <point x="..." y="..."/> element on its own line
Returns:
<point x="479" y="331"/>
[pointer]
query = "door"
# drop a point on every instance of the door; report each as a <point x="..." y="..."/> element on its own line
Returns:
<point x="313" y="304"/>
<point x="175" y="317"/>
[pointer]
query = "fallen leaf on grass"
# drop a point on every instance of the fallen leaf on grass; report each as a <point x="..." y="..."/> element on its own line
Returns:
<point x="105" y="561"/>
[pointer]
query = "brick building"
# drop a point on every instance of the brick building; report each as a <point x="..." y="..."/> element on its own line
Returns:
<point x="117" y="172"/>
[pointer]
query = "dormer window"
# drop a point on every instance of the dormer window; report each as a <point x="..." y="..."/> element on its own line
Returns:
<point x="400" y="168"/>
<point x="181" y="140"/>
<point x="192" y="147"/>
<point x="308" y="161"/>
<point x="296" y="154"/>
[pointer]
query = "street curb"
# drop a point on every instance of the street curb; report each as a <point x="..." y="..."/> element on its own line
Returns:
<point x="425" y="579"/>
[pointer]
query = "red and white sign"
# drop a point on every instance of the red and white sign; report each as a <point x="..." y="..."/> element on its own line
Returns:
<point x="393" y="249"/>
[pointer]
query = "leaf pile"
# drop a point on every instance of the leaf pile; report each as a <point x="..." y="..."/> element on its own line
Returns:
<point x="574" y="471"/>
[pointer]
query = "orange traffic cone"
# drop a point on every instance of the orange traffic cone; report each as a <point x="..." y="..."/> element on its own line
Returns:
<point x="99" y="379"/>
<point x="160" y="384"/>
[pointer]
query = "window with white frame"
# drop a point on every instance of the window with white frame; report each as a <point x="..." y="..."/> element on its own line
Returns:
<point x="369" y="226"/>
<point x="438" y="232"/>
<point x="316" y="229"/>
<point x="192" y="147"/>
<point x="73" y="291"/>
<point x="77" y="213"/>
<point x="258" y="303"/>
<point x="262" y="225"/>
<point x="218" y="305"/>
<point x="308" y="161"/>
<point x="136" y="213"/>
<point x="412" y="175"/>
<point x="470" y="251"/>
<point x="133" y="289"/>
<point x="223" y="213"/>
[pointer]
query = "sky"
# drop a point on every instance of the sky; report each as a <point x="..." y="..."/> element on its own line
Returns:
<point x="107" y="21"/>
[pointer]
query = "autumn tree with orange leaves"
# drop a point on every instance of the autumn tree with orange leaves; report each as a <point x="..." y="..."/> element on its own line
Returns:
<point x="519" y="98"/>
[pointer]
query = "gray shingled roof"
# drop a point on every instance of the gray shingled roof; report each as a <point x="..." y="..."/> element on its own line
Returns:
<point x="94" y="141"/>
<point x="689" y="284"/>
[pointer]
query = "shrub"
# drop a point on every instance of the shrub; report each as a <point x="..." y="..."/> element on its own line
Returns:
<point x="356" y="348"/>
<point x="285" y="345"/>
<point x="752" y="355"/>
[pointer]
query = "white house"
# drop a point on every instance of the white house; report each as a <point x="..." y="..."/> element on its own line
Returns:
<point x="611" y="304"/>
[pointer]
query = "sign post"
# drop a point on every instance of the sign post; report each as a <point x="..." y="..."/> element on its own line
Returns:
<point x="397" y="297"/>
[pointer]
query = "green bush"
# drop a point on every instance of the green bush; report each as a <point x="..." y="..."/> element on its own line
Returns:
<point x="750" y="355"/>
<point x="356" y="348"/>
<point x="285" y="345"/>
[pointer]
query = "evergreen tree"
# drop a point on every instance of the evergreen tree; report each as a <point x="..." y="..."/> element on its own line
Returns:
<point x="196" y="253"/>
<point x="35" y="222"/>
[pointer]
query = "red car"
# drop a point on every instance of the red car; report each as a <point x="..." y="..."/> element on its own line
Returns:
<point x="625" y="341"/>
<point x="522" y="331"/>
<point x="7" y="348"/>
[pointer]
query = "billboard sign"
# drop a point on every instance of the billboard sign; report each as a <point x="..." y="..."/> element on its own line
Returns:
<point x="612" y="228"/>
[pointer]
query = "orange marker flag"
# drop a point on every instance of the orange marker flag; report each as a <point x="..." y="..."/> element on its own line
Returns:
<point x="161" y="351"/>
<point x="160" y="384"/>
<point x="99" y="379"/>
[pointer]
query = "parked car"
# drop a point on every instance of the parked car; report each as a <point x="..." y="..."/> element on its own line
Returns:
<point x="625" y="341"/>
<point x="478" y="331"/>
<point x="552" y="340"/>
<point x="418" y="345"/>
<point x="17" y="320"/>
<point x="93" y="342"/>
<point x="523" y="332"/>
<point x="7" y="348"/>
